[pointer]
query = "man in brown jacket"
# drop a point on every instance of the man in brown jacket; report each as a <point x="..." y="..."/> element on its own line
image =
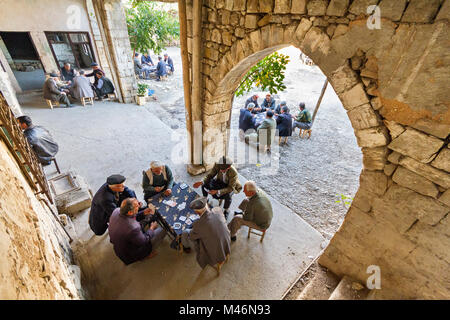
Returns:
<point x="221" y="183"/>
<point x="53" y="93"/>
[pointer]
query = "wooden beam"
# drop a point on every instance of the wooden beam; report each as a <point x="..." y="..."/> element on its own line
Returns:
<point x="186" y="80"/>
<point x="319" y="101"/>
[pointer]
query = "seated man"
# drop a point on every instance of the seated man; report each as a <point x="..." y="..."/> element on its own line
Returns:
<point x="81" y="87"/>
<point x="268" y="103"/>
<point x="279" y="107"/>
<point x="254" y="99"/>
<point x="284" y="123"/>
<point x="266" y="132"/>
<point x="40" y="140"/>
<point x="95" y="70"/>
<point x="221" y="182"/>
<point x="53" y="93"/>
<point x="257" y="210"/>
<point x="169" y="62"/>
<point x="161" y="68"/>
<point x="147" y="60"/>
<point x="131" y="243"/>
<point x="67" y="72"/>
<point x="106" y="199"/>
<point x="104" y="86"/>
<point x="140" y="68"/>
<point x="246" y="120"/>
<point x="209" y="235"/>
<point x="157" y="179"/>
<point x="303" y="119"/>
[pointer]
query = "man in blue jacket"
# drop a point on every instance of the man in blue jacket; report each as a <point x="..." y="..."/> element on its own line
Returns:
<point x="268" y="103"/>
<point x="168" y="60"/>
<point x="161" y="68"/>
<point x="131" y="242"/>
<point x="246" y="120"/>
<point x="106" y="199"/>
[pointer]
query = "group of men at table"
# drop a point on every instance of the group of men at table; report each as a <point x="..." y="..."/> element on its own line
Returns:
<point x="75" y="83"/>
<point x="145" y="66"/>
<point x="115" y="208"/>
<point x="263" y="132"/>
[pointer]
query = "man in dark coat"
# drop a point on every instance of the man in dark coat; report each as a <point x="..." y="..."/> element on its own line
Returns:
<point x="53" y="93"/>
<point x="279" y="107"/>
<point x="104" y="86"/>
<point x="168" y="60"/>
<point x="221" y="182"/>
<point x="95" y="70"/>
<point x="146" y="59"/>
<point x="161" y="68"/>
<point x="40" y="140"/>
<point x="284" y="123"/>
<point x="132" y="243"/>
<point x="209" y="235"/>
<point x="67" y="72"/>
<point x="246" y="120"/>
<point x="106" y="199"/>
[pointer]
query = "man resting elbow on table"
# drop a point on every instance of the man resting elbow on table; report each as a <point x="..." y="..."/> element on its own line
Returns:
<point x="157" y="179"/>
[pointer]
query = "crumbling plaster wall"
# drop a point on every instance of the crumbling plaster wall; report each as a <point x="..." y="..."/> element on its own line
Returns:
<point x="393" y="82"/>
<point x="36" y="255"/>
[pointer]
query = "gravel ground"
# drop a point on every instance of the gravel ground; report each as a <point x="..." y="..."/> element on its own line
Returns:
<point x="312" y="173"/>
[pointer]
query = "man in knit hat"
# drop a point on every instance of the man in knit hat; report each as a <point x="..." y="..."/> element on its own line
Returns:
<point x="157" y="179"/>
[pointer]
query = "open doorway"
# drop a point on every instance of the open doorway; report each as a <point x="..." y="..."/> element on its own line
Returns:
<point x="22" y="57"/>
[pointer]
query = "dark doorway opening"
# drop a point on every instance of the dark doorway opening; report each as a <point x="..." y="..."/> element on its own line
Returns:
<point x="23" y="59"/>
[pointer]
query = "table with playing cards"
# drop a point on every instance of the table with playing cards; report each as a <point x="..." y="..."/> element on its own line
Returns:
<point x="175" y="208"/>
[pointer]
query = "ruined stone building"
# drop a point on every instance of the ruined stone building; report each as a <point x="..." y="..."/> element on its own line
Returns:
<point x="390" y="70"/>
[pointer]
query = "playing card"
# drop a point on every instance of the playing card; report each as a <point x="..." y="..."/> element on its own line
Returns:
<point x="182" y="218"/>
<point x="188" y="221"/>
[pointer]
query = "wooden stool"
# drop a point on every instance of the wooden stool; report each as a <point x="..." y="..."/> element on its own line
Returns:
<point x="285" y="140"/>
<point x="305" y="132"/>
<point x="250" y="230"/>
<point x="50" y="103"/>
<point x="85" y="100"/>
<point x="56" y="165"/>
<point x="218" y="266"/>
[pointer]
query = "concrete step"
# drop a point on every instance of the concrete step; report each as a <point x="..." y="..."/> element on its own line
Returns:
<point x="321" y="286"/>
<point x="349" y="289"/>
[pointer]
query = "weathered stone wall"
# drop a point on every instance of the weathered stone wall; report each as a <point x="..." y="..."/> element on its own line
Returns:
<point x="36" y="258"/>
<point x="393" y="82"/>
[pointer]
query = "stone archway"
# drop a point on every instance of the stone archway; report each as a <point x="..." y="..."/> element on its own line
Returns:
<point x="391" y="81"/>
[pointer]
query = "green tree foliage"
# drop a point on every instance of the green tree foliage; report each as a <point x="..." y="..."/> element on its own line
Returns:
<point x="149" y="27"/>
<point x="268" y="74"/>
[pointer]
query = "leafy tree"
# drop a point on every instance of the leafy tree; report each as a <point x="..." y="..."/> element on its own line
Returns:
<point x="150" y="27"/>
<point x="268" y="74"/>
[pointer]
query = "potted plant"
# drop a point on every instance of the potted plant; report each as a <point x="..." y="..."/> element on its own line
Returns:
<point x="141" y="94"/>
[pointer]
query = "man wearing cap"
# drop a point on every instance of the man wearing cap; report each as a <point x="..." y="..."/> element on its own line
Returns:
<point x="157" y="179"/>
<point x="246" y="120"/>
<point x="106" y="199"/>
<point x="132" y="243"/>
<point x="284" y="123"/>
<point x="209" y="235"/>
<point x="53" y="93"/>
<point x="169" y="62"/>
<point x="221" y="182"/>
<point x="303" y="119"/>
<point x="253" y="99"/>
<point x="256" y="210"/>
<point x="268" y="103"/>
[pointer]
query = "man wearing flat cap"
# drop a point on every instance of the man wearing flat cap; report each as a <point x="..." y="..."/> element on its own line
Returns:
<point x="209" y="235"/>
<point x="106" y="199"/>
<point x="221" y="182"/>
<point x="53" y="93"/>
<point x="157" y="179"/>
